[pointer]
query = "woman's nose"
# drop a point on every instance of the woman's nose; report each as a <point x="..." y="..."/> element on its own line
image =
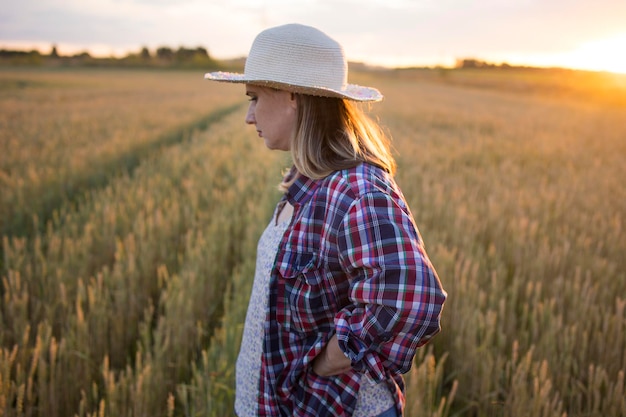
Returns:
<point x="250" y="115"/>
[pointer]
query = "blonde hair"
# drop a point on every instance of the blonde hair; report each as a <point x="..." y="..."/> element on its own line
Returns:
<point x="334" y="134"/>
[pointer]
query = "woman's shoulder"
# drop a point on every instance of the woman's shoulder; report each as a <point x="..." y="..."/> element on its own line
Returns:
<point x="362" y="187"/>
<point x="345" y="187"/>
<point x="363" y="179"/>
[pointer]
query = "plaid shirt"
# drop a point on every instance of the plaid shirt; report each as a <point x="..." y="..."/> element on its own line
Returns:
<point x="351" y="263"/>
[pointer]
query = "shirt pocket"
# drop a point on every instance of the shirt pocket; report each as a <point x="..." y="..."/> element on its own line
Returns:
<point x="305" y="300"/>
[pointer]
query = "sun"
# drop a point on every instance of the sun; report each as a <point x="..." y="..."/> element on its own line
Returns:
<point x="600" y="55"/>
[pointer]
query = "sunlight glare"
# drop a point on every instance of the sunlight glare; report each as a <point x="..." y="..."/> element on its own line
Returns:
<point x="601" y="55"/>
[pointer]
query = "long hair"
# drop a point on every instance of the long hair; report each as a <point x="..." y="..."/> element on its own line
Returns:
<point x="334" y="134"/>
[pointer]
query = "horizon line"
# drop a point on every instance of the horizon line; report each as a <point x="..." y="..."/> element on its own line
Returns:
<point x="98" y="52"/>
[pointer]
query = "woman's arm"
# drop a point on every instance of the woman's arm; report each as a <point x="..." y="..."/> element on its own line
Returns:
<point x="396" y="296"/>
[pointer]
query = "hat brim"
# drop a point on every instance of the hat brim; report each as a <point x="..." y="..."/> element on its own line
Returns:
<point x="350" y="92"/>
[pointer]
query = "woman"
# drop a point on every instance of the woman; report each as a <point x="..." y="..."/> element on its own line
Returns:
<point x="344" y="292"/>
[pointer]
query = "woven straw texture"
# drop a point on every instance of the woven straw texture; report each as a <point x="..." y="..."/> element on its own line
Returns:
<point x="301" y="59"/>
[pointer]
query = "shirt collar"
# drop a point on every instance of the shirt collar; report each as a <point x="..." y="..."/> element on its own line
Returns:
<point x="302" y="189"/>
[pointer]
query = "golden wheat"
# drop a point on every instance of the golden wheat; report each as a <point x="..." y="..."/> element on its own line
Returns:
<point x="132" y="202"/>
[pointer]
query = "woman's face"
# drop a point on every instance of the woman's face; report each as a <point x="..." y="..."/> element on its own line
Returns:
<point x="273" y="113"/>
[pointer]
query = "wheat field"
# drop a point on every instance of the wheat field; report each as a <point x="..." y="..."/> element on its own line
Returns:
<point x="131" y="202"/>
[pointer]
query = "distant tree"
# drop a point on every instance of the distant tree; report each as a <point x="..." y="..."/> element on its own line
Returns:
<point x="184" y="54"/>
<point x="54" y="53"/>
<point x="145" y="54"/>
<point x="202" y="52"/>
<point x="32" y="57"/>
<point x="467" y="63"/>
<point x="164" y="53"/>
<point x="473" y="63"/>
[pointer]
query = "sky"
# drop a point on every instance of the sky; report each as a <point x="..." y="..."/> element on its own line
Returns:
<point x="583" y="34"/>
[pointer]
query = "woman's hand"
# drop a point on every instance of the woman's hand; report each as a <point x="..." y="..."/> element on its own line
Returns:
<point x="331" y="360"/>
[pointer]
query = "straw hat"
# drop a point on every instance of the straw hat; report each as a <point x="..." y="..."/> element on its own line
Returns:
<point x="301" y="59"/>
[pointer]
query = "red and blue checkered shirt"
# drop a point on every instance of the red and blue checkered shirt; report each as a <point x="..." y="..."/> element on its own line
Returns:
<point x="351" y="263"/>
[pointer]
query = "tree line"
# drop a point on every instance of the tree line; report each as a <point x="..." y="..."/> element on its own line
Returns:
<point x="163" y="56"/>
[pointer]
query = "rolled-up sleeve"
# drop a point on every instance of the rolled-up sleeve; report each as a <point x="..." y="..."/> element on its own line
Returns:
<point x="396" y="297"/>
